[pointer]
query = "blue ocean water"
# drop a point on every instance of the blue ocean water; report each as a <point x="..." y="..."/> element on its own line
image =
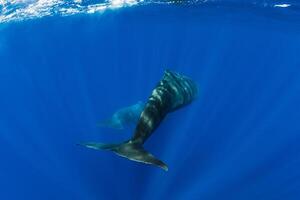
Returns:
<point x="60" y="75"/>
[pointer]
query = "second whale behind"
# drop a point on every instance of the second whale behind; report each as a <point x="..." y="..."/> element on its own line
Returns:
<point x="124" y="117"/>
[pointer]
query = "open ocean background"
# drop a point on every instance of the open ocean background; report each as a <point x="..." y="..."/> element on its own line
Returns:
<point x="67" y="65"/>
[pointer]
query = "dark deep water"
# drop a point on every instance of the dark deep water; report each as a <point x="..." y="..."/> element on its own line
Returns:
<point x="59" y="76"/>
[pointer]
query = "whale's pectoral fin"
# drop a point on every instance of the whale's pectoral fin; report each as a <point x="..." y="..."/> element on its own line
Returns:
<point x="131" y="151"/>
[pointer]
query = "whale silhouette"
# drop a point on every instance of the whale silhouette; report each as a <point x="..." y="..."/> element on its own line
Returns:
<point x="172" y="92"/>
<point x="124" y="116"/>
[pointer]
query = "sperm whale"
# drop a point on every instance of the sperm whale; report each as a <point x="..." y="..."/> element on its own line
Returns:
<point x="124" y="117"/>
<point x="171" y="93"/>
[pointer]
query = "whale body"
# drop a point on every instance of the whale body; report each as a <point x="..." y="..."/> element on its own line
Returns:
<point x="172" y="92"/>
<point x="124" y="117"/>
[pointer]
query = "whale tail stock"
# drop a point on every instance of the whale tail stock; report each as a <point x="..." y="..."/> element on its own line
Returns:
<point x="130" y="150"/>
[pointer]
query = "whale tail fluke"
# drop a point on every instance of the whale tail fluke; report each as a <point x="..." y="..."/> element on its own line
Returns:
<point x="130" y="150"/>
